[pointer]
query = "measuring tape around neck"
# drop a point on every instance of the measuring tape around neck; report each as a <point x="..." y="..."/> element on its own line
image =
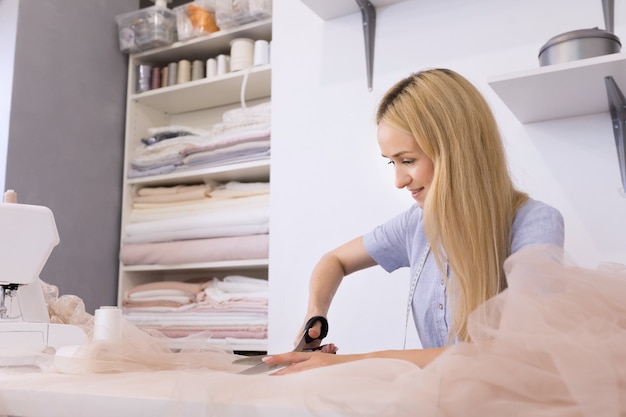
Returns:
<point x="414" y="281"/>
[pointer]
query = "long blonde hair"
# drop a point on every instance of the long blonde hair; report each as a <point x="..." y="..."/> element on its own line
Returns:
<point x="472" y="202"/>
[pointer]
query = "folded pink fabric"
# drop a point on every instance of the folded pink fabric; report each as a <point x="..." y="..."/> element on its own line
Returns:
<point x="196" y="250"/>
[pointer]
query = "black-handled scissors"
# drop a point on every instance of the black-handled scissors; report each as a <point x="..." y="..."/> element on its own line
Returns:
<point x="306" y="339"/>
<point x="261" y="367"/>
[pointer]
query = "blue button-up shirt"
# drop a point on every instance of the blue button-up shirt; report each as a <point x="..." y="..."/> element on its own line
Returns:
<point x="401" y="242"/>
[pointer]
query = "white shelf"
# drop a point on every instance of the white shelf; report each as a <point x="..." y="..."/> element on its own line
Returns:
<point x="249" y="171"/>
<point x="196" y="48"/>
<point x="330" y="9"/>
<point x="208" y="92"/>
<point x="221" y="265"/>
<point x="563" y="90"/>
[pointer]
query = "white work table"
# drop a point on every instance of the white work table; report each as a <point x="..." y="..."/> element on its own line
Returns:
<point x="199" y="393"/>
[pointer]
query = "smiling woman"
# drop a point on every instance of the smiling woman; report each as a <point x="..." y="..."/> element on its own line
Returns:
<point x="441" y="137"/>
<point x="414" y="170"/>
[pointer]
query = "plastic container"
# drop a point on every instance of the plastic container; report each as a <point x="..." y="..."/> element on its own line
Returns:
<point x="232" y="13"/>
<point x="195" y="19"/>
<point x="147" y="28"/>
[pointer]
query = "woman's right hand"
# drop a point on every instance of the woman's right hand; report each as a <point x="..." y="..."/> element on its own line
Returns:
<point x="314" y="333"/>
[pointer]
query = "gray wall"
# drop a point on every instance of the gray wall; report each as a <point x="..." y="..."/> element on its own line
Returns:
<point x="66" y="135"/>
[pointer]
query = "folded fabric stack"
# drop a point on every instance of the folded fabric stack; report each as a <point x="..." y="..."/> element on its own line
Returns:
<point x="231" y="310"/>
<point x="197" y="223"/>
<point x="243" y="135"/>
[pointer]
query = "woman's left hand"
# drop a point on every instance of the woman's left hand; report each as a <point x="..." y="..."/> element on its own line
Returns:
<point x="302" y="361"/>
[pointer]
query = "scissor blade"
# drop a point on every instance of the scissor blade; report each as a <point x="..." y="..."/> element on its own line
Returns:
<point x="249" y="360"/>
<point x="260" y="368"/>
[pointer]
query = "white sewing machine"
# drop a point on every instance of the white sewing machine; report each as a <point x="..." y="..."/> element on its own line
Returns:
<point x="28" y="234"/>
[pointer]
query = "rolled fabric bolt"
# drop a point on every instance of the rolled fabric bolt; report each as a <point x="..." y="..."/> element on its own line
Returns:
<point x="184" y="71"/>
<point x="107" y="324"/>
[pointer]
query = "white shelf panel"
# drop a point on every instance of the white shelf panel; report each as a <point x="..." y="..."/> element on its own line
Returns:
<point x="250" y="171"/>
<point x="221" y="265"/>
<point x="203" y="46"/>
<point x="330" y="9"/>
<point x="208" y="92"/>
<point x="563" y="90"/>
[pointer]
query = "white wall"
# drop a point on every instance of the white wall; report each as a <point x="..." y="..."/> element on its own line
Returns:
<point x="8" y="31"/>
<point x="329" y="183"/>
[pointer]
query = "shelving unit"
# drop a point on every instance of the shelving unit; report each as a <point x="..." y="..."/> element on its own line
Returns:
<point x="562" y="90"/>
<point x="199" y="104"/>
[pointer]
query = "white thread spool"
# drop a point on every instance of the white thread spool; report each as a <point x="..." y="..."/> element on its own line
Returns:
<point x="241" y="53"/>
<point x="197" y="70"/>
<point x="211" y="68"/>
<point x="107" y="324"/>
<point x="222" y="64"/>
<point x="172" y="73"/>
<point x="184" y="71"/>
<point x="261" y="52"/>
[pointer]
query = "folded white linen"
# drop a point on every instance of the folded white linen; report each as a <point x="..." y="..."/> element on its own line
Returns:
<point x="237" y="287"/>
<point x="147" y="172"/>
<point x="241" y="284"/>
<point x="143" y="212"/>
<point x="197" y="161"/>
<point x="167" y="152"/>
<point x="255" y="215"/>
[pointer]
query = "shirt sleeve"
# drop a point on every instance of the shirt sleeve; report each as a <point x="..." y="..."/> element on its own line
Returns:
<point x="537" y="223"/>
<point x="389" y="244"/>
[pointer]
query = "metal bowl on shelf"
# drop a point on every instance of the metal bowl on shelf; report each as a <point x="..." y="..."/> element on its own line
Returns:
<point x="582" y="43"/>
<point x="578" y="44"/>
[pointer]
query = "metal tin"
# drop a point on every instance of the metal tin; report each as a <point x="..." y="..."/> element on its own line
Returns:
<point x="578" y="44"/>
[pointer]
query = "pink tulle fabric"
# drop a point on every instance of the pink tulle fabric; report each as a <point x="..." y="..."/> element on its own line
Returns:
<point x="552" y="345"/>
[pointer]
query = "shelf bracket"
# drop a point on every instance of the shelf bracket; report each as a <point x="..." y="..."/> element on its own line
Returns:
<point x="617" y="107"/>
<point x="368" y="14"/>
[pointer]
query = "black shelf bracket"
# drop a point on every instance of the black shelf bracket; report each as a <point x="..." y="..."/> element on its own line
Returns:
<point x="368" y="14"/>
<point x="617" y="107"/>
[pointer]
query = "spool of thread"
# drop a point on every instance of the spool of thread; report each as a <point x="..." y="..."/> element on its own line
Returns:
<point x="241" y="53"/>
<point x="172" y="73"/>
<point x="222" y="64"/>
<point x="155" y="79"/>
<point x="107" y="324"/>
<point x="142" y="77"/>
<point x="184" y="71"/>
<point x="211" y="68"/>
<point x="261" y="52"/>
<point x="197" y="70"/>
<point x="164" y="76"/>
